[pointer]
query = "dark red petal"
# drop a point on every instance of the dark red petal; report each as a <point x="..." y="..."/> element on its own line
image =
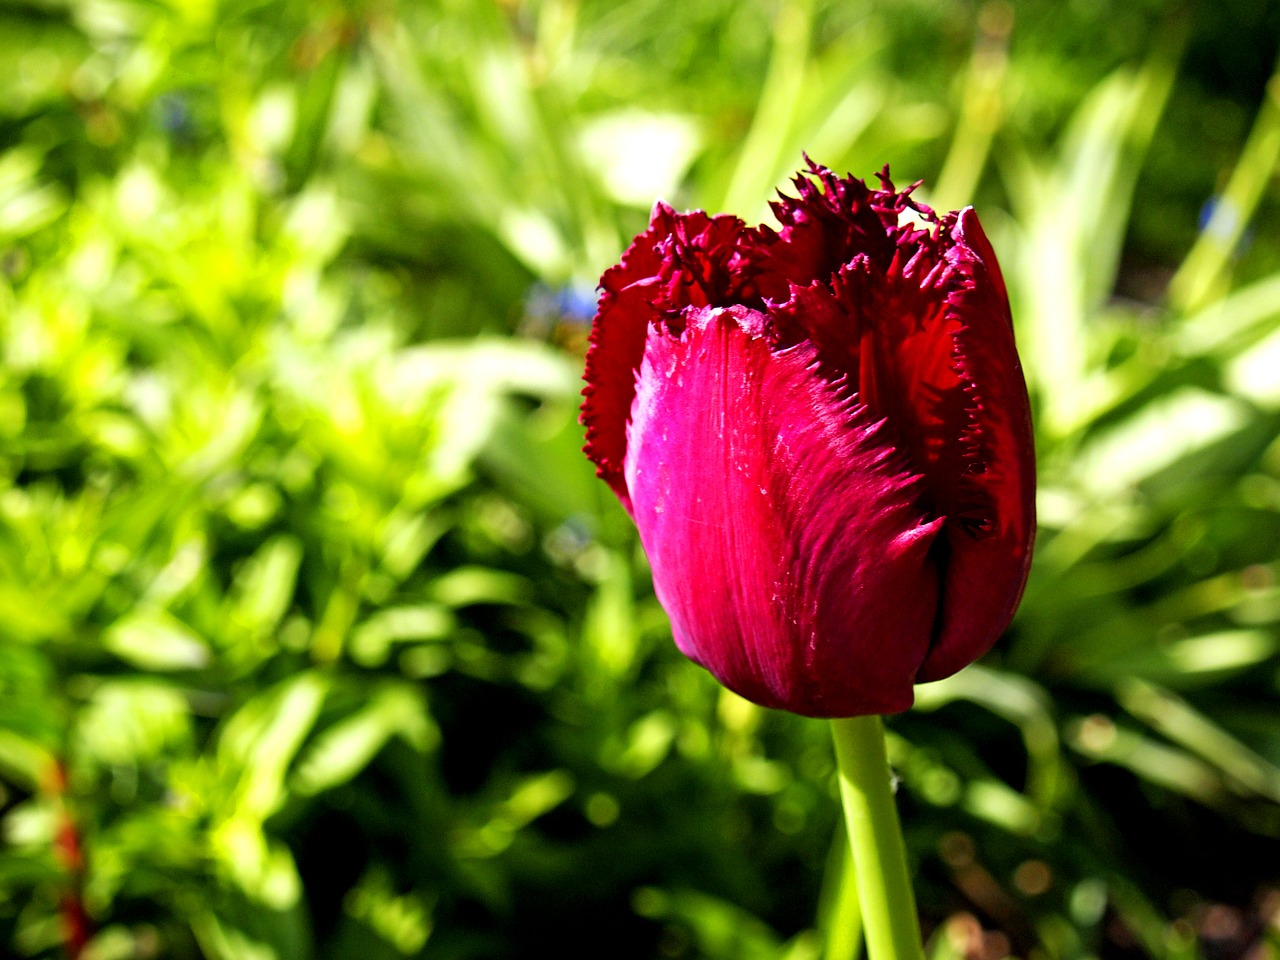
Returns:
<point x="682" y="260"/>
<point x="988" y="562"/>
<point x="829" y="222"/>
<point x="906" y="364"/>
<point x="788" y="543"/>
<point x="889" y="333"/>
<point x="968" y="232"/>
<point x="814" y="313"/>
<point x="927" y="343"/>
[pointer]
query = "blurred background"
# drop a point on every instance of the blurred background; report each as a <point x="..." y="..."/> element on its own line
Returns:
<point x="319" y="638"/>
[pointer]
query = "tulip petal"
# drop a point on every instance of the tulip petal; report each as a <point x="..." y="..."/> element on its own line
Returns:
<point x="830" y="221"/>
<point x="987" y="568"/>
<point x="889" y="332"/>
<point x="788" y="541"/>
<point x="927" y="341"/>
<point x="682" y="260"/>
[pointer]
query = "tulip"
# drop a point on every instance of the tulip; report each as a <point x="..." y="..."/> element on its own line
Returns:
<point x="823" y="436"/>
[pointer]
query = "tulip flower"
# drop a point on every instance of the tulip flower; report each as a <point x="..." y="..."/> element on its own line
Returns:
<point x="822" y="434"/>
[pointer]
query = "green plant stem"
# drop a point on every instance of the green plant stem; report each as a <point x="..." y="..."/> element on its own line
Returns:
<point x="981" y="113"/>
<point x="889" y="918"/>
<point x="757" y="167"/>
<point x="840" y="913"/>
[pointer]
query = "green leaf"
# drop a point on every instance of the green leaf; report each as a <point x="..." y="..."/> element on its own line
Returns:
<point x="342" y="750"/>
<point x="156" y="640"/>
<point x="259" y="742"/>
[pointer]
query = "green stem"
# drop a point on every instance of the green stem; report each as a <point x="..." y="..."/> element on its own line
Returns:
<point x="981" y="113"/>
<point x="840" y="914"/>
<point x="880" y="858"/>
<point x="757" y="169"/>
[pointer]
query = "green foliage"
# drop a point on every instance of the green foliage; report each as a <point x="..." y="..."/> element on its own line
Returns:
<point x="319" y="638"/>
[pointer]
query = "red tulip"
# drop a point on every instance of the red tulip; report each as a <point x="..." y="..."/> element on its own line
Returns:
<point x="822" y="434"/>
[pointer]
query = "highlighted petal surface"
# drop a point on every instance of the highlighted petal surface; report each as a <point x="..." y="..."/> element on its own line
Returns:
<point x="788" y="541"/>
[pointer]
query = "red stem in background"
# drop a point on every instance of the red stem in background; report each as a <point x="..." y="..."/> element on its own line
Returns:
<point x="67" y="850"/>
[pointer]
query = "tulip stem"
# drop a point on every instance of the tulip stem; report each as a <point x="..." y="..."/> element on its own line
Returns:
<point x="889" y="918"/>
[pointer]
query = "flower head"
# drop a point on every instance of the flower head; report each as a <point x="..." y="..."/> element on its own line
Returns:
<point x="823" y="436"/>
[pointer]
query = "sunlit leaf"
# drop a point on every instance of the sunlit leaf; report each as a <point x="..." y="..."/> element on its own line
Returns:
<point x="156" y="640"/>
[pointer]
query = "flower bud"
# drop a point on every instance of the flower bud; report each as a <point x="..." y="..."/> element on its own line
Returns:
<point x="823" y="436"/>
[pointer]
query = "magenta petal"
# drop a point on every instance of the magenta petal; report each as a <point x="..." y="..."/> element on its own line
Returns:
<point x="986" y="571"/>
<point x="788" y="542"/>
<point x="682" y="260"/>
<point x="617" y="346"/>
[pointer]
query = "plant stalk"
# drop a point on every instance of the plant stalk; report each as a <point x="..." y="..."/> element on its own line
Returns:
<point x="890" y="924"/>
